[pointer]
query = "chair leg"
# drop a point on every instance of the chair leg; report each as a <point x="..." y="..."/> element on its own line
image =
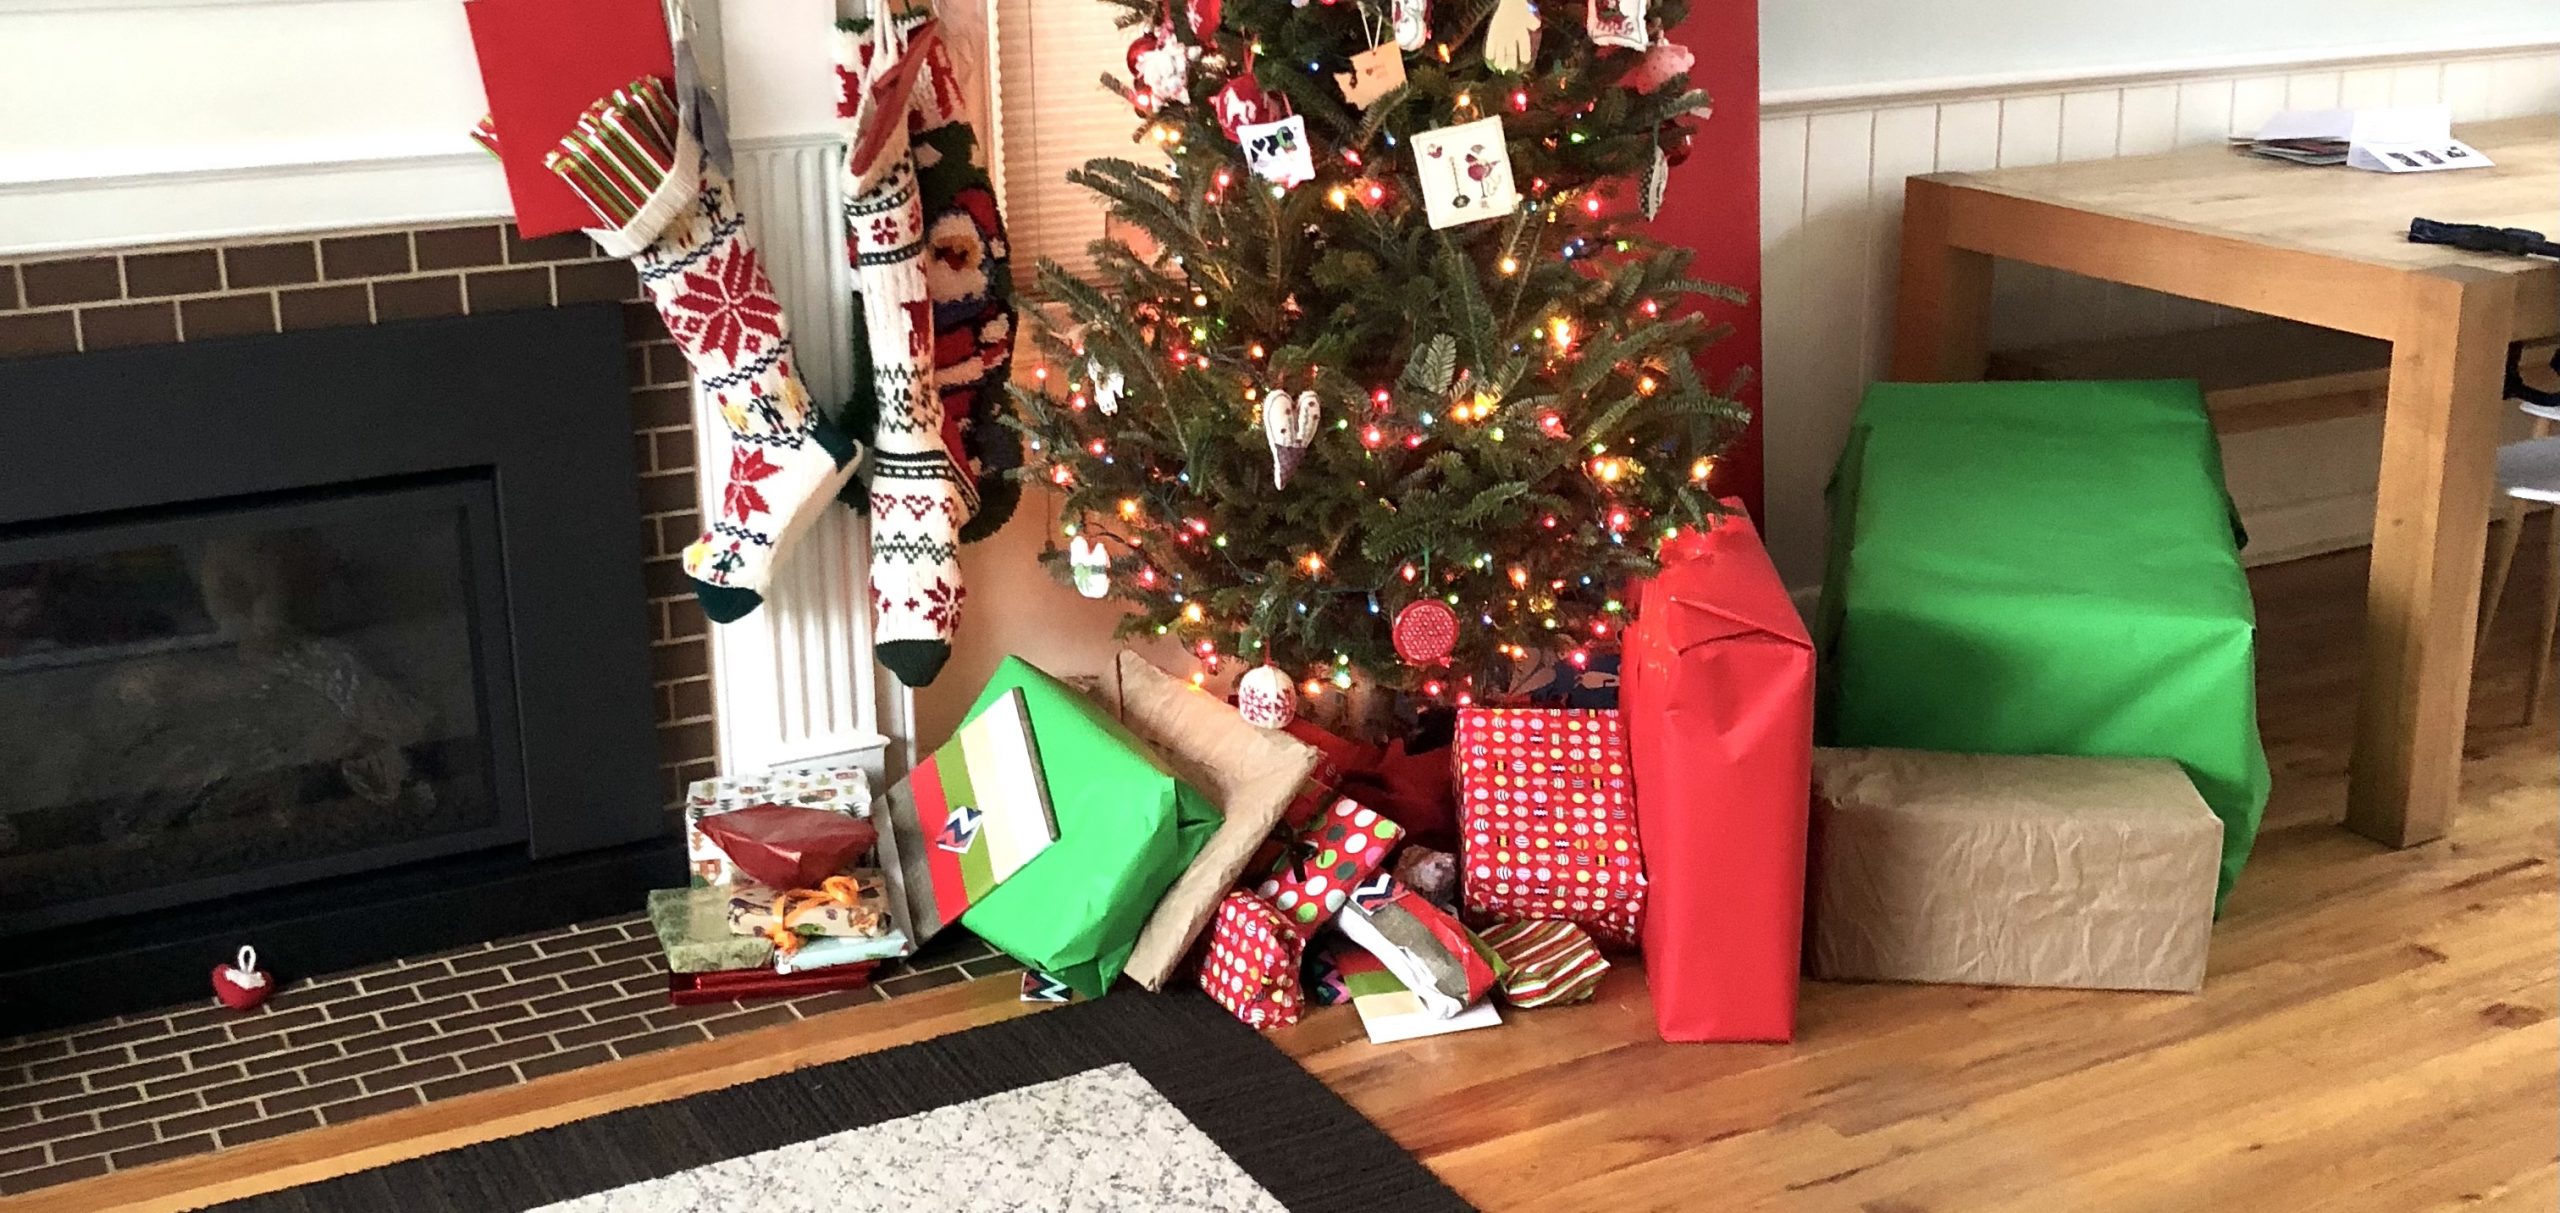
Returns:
<point x="2537" y="680"/>
<point x="2502" y="561"/>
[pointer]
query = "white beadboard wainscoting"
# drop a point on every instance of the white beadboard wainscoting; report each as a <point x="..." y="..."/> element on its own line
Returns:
<point x="1831" y="207"/>
<point x="796" y="680"/>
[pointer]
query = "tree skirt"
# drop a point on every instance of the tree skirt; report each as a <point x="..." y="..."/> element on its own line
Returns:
<point x="1135" y="1101"/>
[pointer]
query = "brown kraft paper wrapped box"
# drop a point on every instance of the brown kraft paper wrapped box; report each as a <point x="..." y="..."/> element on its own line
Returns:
<point x="2095" y="873"/>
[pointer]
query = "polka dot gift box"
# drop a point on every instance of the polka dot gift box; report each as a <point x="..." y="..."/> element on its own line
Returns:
<point x="1326" y="861"/>
<point x="1253" y="961"/>
<point x="1546" y="820"/>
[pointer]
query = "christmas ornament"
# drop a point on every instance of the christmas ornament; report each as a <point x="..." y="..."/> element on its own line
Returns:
<point x="1683" y="141"/>
<point x="1412" y="22"/>
<point x="1511" y="38"/>
<point x="1266" y="698"/>
<point x="1616" y="23"/>
<point x="1466" y="172"/>
<point x="1278" y="152"/>
<point x="1240" y="102"/>
<point x="1159" y="70"/>
<point x="1662" y="62"/>
<point x="1089" y="565"/>
<point x="1657" y="181"/>
<point x="1204" y="16"/>
<point x="1289" y="427"/>
<point x="1425" y="632"/>
<point x="240" y="985"/>
<point x="1374" y="73"/>
<point x="1107" y="387"/>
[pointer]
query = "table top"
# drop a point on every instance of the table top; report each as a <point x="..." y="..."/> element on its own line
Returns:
<point x="2339" y="212"/>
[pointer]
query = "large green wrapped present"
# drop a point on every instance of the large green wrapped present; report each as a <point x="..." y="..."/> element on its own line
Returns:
<point x="1127" y="827"/>
<point x="2044" y="568"/>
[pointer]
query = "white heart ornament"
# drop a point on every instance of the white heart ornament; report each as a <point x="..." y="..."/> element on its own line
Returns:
<point x="1289" y="426"/>
<point x="1107" y="387"/>
<point x="1089" y="565"/>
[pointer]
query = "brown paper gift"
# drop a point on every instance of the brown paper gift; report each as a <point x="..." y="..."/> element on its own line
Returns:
<point x="1250" y="774"/>
<point x="2095" y="873"/>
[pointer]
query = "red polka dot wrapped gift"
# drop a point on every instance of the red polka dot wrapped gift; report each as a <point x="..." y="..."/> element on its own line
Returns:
<point x="1252" y="964"/>
<point x="1325" y="861"/>
<point x="1546" y="820"/>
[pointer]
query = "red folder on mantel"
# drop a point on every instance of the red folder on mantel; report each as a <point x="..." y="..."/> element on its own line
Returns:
<point x="542" y="63"/>
<point x="1717" y="695"/>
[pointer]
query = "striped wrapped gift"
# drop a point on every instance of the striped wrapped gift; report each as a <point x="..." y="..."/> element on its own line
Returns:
<point x="1552" y="961"/>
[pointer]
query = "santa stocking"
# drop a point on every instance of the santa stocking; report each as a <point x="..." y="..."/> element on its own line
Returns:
<point x="919" y="498"/>
<point x="668" y="210"/>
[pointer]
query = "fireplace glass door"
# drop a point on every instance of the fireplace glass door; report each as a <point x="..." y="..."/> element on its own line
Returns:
<point x="237" y="696"/>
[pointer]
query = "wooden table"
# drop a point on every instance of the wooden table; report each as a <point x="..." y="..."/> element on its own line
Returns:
<point x="2325" y="247"/>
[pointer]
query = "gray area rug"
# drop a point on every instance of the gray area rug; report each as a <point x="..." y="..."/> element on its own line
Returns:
<point x="1131" y="1102"/>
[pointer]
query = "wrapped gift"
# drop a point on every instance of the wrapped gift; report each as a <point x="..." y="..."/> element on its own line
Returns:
<point x="1550" y="962"/>
<point x="837" y="951"/>
<point x="1391" y="1011"/>
<point x="1324" y="862"/>
<point x="1719" y="707"/>
<point x="852" y="906"/>
<point x="696" y="989"/>
<point x="788" y="846"/>
<point x="693" y="928"/>
<point x="845" y="790"/>
<point x="1320" y="975"/>
<point x="2044" y="568"/>
<point x="1546" y="823"/>
<point x="1252" y="965"/>
<point x="967" y="818"/>
<point x="2095" y="873"/>
<point x="1127" y="829"/>
<point x="1250" y="774"/>
<point x="1430" y="952"/>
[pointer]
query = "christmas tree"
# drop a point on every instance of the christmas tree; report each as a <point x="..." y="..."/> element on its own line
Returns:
<point x="1385" y="380"/>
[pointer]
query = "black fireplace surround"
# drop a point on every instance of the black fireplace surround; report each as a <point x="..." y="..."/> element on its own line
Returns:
<point x="333" y="643"/>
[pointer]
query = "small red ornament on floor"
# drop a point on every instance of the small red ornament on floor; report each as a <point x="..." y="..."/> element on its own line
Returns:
<point x="241" y="986"/>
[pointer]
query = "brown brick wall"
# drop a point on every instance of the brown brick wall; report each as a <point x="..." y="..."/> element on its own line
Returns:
<point x="123" y="297"/>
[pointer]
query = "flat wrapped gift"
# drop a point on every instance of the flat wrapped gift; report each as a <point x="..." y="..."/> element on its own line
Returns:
<point x="693" y="928"/>
<point x="845" y="790"/>
<point x="1551" y="962"/>
<point x="850" y="906"/>
<point x="2044" y="568"/>
<point x="2011" y="871"/>
<point x="1127" y="829"/>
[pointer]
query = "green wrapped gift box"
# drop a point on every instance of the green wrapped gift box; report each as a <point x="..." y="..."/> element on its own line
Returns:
<point x="2044" y="568"/>
<point x="1127" y="827"/>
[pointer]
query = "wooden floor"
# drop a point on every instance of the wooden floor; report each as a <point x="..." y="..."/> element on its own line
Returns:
<point x="2378" y="1033"/>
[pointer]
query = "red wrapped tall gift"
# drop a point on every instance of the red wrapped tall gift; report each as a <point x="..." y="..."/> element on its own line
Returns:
<point x="1717" y="686"/>
<point x="1545" y="822"/>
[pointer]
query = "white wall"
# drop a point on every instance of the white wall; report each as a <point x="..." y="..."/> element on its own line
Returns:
<point x="1823" y="44"/>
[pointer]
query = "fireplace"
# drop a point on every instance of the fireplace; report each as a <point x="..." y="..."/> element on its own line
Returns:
<point x="333" y="642"/>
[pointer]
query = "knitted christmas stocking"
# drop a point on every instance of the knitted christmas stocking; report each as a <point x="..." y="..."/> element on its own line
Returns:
<point x="969" y="279"/>
<point x="668" y="210"/>
<point x="919" y="499"/>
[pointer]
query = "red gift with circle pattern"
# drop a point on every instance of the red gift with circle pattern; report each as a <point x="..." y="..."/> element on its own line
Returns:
<point x="1252" y="965"/>
<point x="1546" y="820"/>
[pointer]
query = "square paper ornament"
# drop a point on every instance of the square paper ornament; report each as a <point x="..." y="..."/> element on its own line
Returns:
<point x="1277" y="152"/>
<point x="1466" y="172"/>
<point x="1374" y="73"/>
<point x="1617" y="23"/>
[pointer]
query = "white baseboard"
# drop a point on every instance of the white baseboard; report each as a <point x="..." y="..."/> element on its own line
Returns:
<point x="2299" y="529"/>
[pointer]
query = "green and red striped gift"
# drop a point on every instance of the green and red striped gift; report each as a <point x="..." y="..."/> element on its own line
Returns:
<point x="1552" y="961"/>
<point x="967" y="818"/>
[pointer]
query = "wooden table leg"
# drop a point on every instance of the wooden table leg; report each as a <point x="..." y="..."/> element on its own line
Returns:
<point x="2439" y="459"/>
<point x="1942" y="316"/>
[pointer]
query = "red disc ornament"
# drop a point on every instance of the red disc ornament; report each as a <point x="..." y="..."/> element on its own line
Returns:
<point x="1426" y="631"/>
<point x="1204" y="18"/>
<point x="1241" y="101"/>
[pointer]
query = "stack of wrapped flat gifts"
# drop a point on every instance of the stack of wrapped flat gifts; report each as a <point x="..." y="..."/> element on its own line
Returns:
<point x="796" y="888"/>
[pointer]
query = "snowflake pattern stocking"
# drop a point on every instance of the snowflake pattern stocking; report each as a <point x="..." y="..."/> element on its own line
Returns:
<point x="919" y="498"/>
<point x="669" y="211"/>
